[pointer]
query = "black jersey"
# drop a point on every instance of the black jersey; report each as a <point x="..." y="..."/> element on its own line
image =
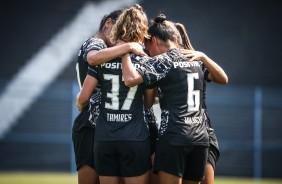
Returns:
<point x="121" y="115"/>
<point x="82" y="64"/>
<point x="180" y="85"/>
<point x="81" y="70"/>
<point x="211" y="132"/>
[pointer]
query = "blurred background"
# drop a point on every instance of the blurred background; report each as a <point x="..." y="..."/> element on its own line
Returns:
<point x="39" y="45"/>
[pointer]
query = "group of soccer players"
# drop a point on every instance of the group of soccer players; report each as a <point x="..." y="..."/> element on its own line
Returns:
<point x="114" y="135"/>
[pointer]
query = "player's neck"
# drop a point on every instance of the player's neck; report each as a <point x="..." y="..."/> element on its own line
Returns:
<point x="100" y="36"/>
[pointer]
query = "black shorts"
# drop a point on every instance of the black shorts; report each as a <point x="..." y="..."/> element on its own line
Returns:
<point x="213" y="138"/>
<point x="188" y="162"/>
<point x="214" y="152"/>
<point x="122" y="158"/>
<point x="83" y="143"/>
<point x="213" y="156"/>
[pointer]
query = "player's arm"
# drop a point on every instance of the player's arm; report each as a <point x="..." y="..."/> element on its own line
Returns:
<point x="96" y="57"/>
<point x="87" y="89"/>
<point x="149" y="98"/>
<point x="151" y="71"/>
<point x="216" y="73"/>
<point x="130" y="75"/>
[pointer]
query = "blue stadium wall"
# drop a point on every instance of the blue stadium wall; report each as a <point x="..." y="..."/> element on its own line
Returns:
<point x="242" y="36"/>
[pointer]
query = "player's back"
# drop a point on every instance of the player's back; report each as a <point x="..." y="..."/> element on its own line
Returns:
<point x="181" y="98"/>
<point x="92" y="109"/>
<point x="121" y="114"/>
<point x="183" y="86"/>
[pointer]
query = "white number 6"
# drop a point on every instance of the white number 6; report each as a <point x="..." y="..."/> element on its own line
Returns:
<point x="193" y="98"/>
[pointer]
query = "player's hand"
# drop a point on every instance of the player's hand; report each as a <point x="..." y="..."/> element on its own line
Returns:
<point x="192" y="55"/>
<point x="137" y="49"/>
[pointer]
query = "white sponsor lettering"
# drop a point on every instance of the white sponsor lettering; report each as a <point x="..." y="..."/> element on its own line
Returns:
<point x="116" y="65"/>
<point x="186" y="64"/>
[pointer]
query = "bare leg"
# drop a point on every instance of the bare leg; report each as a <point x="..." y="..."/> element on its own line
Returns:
<point x="166" y="178"/>
<point x="87" y="175"/>
<point x="191" y="182"/>
<point x="109" y="179"/>
<point x="153" y="178"/>
<point x="142" y="179"/>
<point x="122" y="181"/>
<point x="209" y="174"/>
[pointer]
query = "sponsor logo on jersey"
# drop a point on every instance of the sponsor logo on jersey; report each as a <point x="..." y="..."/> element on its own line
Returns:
<point x="117" y="65"/>
<point x="119" y="117"/>
<point x="186" y="64"/>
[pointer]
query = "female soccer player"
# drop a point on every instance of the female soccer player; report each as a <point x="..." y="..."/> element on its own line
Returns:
<point x="181" y="152"/>
<point x="84" y="125"/>
<point x="122" y="147"/>
<point x="214" y="152"/>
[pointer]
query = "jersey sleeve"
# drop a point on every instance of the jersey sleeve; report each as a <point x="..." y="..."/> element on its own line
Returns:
<point x="205" y="71"/>
<point x="92" y="44"/>
<point x="154" y="69"/>
<point x="92" y="71"/>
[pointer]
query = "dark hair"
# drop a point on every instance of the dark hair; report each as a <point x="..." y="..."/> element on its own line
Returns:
<point x="113" y="15"/>
<point x="184" y="36"/>
<point x="162" y="28"/>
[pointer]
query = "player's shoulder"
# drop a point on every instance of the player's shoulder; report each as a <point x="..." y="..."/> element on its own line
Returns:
<point x="139" y="59"/>
<point x="94" y="42"/>
<point x="97" y="40"/>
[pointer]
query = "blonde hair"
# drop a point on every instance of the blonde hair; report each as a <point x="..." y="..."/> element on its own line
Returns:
<point x="131" y="26"/>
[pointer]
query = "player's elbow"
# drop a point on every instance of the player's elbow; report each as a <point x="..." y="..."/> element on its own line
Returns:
<point x="92" y="58"/>
<point x="223" y="80"/>
<point x="130" y="82"/>
<point x="220" y="79"/>
<point x="226" y="80"/>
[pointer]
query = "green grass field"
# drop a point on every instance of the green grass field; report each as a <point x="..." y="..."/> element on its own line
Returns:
<point x="67" y="178"/>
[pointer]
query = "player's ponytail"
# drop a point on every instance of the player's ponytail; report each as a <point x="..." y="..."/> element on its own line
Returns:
<point x="185" y="41"/>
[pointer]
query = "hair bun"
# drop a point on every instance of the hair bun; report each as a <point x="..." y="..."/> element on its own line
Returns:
<point x="160" y="19"/>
